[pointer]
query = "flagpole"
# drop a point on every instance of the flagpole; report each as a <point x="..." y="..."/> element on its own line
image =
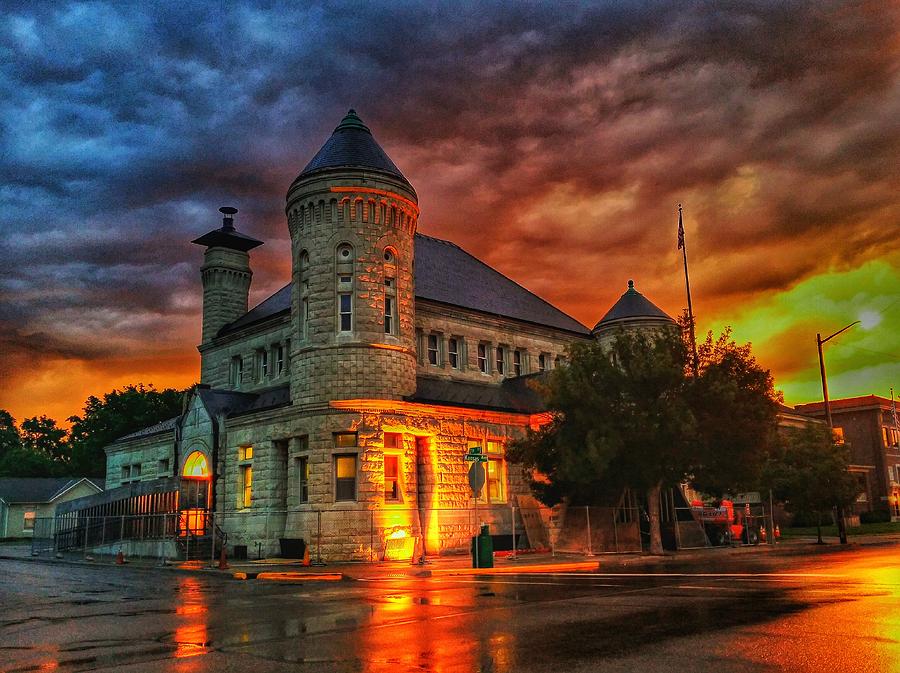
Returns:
<point x="687" y="283"/>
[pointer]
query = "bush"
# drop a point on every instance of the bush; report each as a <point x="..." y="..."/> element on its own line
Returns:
<point x="810" y="519"/>
<point x="875" y="516"/>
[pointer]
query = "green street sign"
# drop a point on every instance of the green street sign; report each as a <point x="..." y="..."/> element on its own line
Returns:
<point x="475" y="455"/>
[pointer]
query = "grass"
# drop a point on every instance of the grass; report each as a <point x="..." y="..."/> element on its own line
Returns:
<point x="831" y="531"/>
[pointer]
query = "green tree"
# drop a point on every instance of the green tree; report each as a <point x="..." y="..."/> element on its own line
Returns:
<point x="10" y="439"/>
<point x="630" y="414"/>
<point x="25" y="462"/>
<point x="119" y="413"/>
<point x="808" y="473"/>
<point x="42" y="436"/>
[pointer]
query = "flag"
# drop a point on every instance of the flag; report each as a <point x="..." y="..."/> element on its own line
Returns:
<point x="680" y="229"/>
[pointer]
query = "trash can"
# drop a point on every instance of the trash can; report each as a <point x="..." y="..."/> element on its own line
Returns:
<point x="291" y="547"/>
<point x="483" y="552"/>
<point x="239" y="552"/>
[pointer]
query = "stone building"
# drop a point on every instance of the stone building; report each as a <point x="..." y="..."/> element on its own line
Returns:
<point x="340" y="408"/>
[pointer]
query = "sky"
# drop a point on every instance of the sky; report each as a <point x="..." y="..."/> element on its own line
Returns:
<point x="552" y="140"/>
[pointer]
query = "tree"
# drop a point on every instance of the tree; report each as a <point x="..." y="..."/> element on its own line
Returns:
<point x="119" y="413"/>
<point x="42" y="436"/>
<point x="631" y="415"/>
<point x="25" y="462"/>
<point x="619" y="419"/>
<point x="10" y="439"/>
<point x="735" y="406"/>
<point x="808" y="473"/>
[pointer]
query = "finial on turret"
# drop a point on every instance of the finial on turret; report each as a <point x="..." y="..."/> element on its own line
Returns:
<point x="630" y="284"/>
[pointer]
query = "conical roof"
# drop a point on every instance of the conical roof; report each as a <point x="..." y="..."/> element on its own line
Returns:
<point x="632" y="306"/>
<point x="352" y="145"/>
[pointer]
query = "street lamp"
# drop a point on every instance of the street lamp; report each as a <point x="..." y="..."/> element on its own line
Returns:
<point x="842" y="528"/>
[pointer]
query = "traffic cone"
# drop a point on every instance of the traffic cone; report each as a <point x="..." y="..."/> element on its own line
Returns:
<point x="120" y="558"/>
<point x="306" y="557"/>
<point x="777" y="532"/>
<point x="223" y="559"/>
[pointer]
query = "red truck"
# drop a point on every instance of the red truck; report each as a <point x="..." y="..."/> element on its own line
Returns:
<point x="723" y="524"/>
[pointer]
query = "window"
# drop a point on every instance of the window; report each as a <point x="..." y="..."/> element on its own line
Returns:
<point x="345" y="477"/>
<point x="542" y="362"/>
<point x="162" y="467"/>
<point x="304" y="297"/>
<point x="345" y="287"/>
<point x="501" y="359"/>
<point x="245" y="477"/>
<point x="28" y="523"/>
<point x="453" y="352"/>
<point x="483" y="359"/>
<point x="263" y="357"/>
<point x="495" y="486"/>
<point x="393" y="440"/>
<point x="391" y="478"/>
<point x="126" y="472"/>
<point x="517" y="363"/>
<point x="245" y="496"/>
<point x="303" y="479"/>
<point x="236" y="373"/>
<point x="433" y="352"/>
<point x="345" y="439"/>
<point x="390" y="306"/>
<point x="838" y="435"/>
<point x="279" y="359"/>
<point x="136" y="470"/>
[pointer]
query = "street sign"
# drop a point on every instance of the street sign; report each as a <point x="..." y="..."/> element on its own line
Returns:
<point x="475" y="455"/>
<point x="476" y="478"/>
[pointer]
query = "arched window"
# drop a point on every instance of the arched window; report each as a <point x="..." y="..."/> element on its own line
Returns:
<point x="390" y="291"/>
<point x="344" y="286"/>
<point x="304" y="295"/>
<point x="196" y="466"/>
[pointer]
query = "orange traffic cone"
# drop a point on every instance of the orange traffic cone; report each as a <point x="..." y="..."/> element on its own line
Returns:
<point x="306" y="556"/>
<point x="777" y="532"/>
<point x="120" y="558"/>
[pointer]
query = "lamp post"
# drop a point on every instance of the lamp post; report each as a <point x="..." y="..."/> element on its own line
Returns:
<point x="842" y="528"/>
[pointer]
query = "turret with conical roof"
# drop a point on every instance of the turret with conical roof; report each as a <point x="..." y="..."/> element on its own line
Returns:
<point x="352" y="216"/>
<point x="632" y="311"/>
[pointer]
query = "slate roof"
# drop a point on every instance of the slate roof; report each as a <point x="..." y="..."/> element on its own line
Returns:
<point x="27" y="489"/>
<point x="162" y="426"/>
<point x="632" y="305"/>
<point x="513" y="395"/>
<point x="352" y="145"/>
<point x="446" y="273"/>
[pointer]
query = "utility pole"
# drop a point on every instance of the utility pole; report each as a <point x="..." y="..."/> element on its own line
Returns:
<point x="842" y="527"/>
<point x="687" y="282"/>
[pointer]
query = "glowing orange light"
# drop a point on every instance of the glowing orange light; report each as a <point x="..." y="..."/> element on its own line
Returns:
<point x="380" y="192"/>
<point x="391" y="347"/>
<point x="397" y="534"/>
<point x="196" y="466"/>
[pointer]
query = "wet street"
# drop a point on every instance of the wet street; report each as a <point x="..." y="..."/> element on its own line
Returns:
<point x="828" y="612"/>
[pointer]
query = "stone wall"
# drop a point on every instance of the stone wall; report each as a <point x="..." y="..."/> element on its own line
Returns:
<point x="216" y="357"/>
<point x="154" y="453"/>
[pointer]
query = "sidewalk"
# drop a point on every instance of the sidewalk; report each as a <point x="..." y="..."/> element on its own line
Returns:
<point x="289" y="570"/>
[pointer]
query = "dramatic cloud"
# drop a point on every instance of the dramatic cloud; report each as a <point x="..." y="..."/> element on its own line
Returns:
<point x="555" y="144"/>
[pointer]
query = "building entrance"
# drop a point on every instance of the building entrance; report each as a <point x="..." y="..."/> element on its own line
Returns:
<point x="193" y="495"/>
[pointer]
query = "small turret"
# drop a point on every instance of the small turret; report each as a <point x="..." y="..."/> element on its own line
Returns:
<point x="225" y="274"/>
<point x="632" y="311"/>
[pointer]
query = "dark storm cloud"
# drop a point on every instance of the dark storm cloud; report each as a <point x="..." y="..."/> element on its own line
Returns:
<point x="528" y="130"/>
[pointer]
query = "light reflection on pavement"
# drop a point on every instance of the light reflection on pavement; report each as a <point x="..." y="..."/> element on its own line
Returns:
<point x="833" y="612"/>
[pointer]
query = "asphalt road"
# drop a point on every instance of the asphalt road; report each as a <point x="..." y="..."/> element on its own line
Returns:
<point x="832" y="612"/>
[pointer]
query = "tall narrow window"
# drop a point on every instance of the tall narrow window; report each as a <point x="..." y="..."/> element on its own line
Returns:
<point x="453" y="352"/>
<point x="483" y="358"/>
<point x="391" y="477"/>
<point x="236" y="374"/>
<point x="345" y="477"/>
<point x="433" y="351"/>
<point x="542" y="362"/>
<point x="303" y="479"/>
<point x="501" y="360"/>
<point x="304" y="295"/>
<point x="279" y="359"/>
<point x="28" y="521"/>
<point x="263" y="356"/>
<point x="390" y="305"/>
<point x="494" y="490"/>
<point x="517" y="363"/>
<point x="245" y="477"/>
<point x="344" y="265"/>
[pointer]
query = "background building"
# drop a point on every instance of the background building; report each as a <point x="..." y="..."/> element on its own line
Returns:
<point x="25" y="500"/>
